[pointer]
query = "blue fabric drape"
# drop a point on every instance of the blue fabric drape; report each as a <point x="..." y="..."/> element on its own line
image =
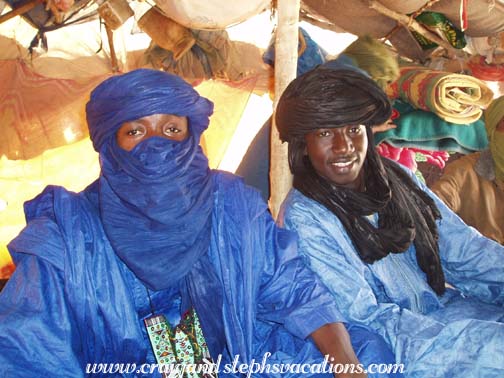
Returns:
<point x="155" y="200"/>
<point x="85" y="297"/>
<point x="433" y="336"/>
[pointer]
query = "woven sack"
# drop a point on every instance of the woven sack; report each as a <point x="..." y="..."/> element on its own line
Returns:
<point x="166" y="33"/>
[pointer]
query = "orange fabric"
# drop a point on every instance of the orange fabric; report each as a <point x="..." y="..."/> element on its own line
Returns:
<point x="38" y="113"/>
<point x="479" y="202"/>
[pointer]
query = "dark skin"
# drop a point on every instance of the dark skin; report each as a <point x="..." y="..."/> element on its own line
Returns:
<point x="338" y="154"/>
<point x="167" y="126"/>
<point x="331" y="339"/>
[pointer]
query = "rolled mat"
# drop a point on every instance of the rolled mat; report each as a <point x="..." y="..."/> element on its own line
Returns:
<point x="456" y="98"/>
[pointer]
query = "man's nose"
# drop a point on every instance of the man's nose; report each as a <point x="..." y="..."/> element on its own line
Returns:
<point x="158" y="132"/>
<point x="341" y="143"/>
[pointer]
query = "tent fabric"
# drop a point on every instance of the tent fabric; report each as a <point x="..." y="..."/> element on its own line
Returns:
<point x="484" y="17"/>
<point x="38" y="113"/>
<point x="213" y="56"/>
<point x="405" y="7"/>
<point x="353" y="16"/>
<point x="210" y="15"/>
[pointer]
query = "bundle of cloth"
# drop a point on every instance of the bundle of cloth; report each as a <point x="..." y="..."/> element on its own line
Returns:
<point x="455" y="98"/>
<point x="375" y="58"/>
<point x="485" y="71"/>
<point x="408" y="156"/>
<point x="310" y="54"/>
<point x="427" y="131"/>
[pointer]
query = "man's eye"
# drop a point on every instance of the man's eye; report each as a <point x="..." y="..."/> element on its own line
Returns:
<point x="133" y="132"/>
<point x="172" y="130"/>
<point x="324" y="133"/>
<point x="355" y="130"/>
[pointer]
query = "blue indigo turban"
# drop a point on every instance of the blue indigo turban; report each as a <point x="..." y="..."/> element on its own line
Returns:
<point x="156" y="200"/>
<point x="141" y="93"/>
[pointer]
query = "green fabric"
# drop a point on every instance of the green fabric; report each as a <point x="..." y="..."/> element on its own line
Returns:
<point x="375" y="58"/>
<point x="439" y="24"/>
<point x="493" y="115"/>
<point x="425" y="130"/>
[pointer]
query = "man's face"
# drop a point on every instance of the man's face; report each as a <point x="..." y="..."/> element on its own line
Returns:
<point x="338" y="154"/>
<point x="167" y="126"/>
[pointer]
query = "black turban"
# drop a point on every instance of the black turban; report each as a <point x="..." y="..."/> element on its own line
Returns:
<point x="329" y="98"/>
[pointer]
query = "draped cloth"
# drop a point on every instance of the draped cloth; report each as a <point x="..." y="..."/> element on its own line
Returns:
<point x="426" y="130"/>
<point x="434" y="336"/>
<point x="271" y="302"/>
<point x="493" y="115"/>
<point x="455" y="98"/>
<point x="155" y="200"/>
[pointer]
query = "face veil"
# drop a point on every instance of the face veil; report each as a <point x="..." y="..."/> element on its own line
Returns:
<point x="329" y="98"/>
<point x="156" y="200"/>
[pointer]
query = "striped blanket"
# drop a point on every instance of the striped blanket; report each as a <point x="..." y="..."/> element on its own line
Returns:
<point x="453" y="97"/>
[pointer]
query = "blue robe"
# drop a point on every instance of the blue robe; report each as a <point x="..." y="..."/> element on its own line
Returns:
<point x="73" y="302"/>
<point x="460" y="334"/>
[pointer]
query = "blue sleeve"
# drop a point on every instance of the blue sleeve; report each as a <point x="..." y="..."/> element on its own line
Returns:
<point x="472" y="263"/>
<point x="330" y="254"/>
<point x="290" y="293"/>
<point x="36" y="327"/>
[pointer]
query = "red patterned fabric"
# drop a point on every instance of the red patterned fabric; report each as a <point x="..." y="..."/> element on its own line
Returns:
<point x="484" y="71"/>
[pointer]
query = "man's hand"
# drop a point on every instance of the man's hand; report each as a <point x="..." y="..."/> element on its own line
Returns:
<point x="333" y="340"/>
<point x="383" y="127"/>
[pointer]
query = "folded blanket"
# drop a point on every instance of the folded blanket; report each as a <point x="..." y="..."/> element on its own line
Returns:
<point x="425" y="130"/>
<point x="456" y="98"/>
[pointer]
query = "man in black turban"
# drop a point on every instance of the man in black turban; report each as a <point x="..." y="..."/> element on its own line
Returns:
<point x="375" y="236"/>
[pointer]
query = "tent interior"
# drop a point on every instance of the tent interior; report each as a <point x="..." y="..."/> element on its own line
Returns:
<point x="54" y="52"/>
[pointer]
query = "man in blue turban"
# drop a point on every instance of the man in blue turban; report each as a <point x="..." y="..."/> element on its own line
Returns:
<point x="163" y="261"/>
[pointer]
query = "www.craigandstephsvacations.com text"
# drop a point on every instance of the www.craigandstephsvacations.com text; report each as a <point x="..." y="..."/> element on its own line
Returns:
<point x="213" y="369"/>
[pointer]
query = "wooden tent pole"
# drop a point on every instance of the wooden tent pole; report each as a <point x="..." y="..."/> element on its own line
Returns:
<point x="286" y="55"/>
<point x="113" y="56"/>
<point x="19" y="10"/>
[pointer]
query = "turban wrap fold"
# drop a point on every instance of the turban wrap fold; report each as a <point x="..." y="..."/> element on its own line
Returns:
<point x="156" y="200"/>
<point x="141" y="93"/>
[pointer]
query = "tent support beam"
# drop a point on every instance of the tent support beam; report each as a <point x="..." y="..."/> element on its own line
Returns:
<point x="286" y="55"/>
<point x="19" y="10"/>
<point x="411" y="24"/>
<point x="113" y="56"/>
